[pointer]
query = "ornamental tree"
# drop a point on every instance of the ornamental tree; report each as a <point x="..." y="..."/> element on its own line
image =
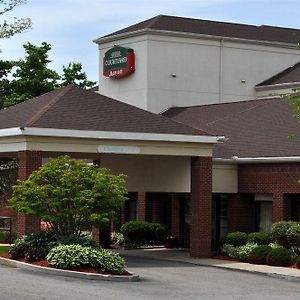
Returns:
<point x="70" y="195"/>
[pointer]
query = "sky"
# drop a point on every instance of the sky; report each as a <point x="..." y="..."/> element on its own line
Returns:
<point x="70" y="26"/>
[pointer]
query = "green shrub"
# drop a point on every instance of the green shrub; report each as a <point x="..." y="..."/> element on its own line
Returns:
<point x="279" y="257"/>
<point x="293" y="235"/>
<point x="109" y="261"/>
<point x="295" y="251"/>
<point x="260" y="238"/>
<point x="141" y="233"/>
<point x="230" y="250"/>
<point x="33" y="253"/>
<point x="117" y="238"/>
<point x="82" y="240"/>
<point x="68" y="256"/>
<point x="41" y="239"/>
<point x="236" y="238"/>
<point x="71" y="256"/>
<point x="19" y="249"/>
<point x="33" y="247"/>
<point x="259" y="254"/>
<point x="238" y="252"/>
<point x="279" y="232"/>
<point x="158" y="232"/>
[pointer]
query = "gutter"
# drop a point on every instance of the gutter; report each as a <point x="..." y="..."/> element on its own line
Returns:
<point x="251" y="160"/>
<point x="112" y="135"/>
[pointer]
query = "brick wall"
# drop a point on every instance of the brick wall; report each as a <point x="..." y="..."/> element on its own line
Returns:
<point x="277" y="179"/>
<point x="269" y="178"/>
<point x="201" y="206"/>
<point x="141" y="206"/>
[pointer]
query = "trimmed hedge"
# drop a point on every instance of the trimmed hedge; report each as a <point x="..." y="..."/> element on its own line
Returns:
<point x="235" y="238"/>
<point x="140" y="233"/>
<point x="279" y="232"/>
<point x="259" y="254"/>
<point x="260" y="238"/>
<point x="293" y="235"/>
<point x="279" y="257"/>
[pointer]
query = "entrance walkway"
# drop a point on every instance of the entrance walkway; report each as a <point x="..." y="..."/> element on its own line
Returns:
<point x="182" y="255"/>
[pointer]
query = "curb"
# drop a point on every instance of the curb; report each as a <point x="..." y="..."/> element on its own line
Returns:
<point x="67" y="273"/>
<point x="274" y="275"/>
<point x="257" y="272"/>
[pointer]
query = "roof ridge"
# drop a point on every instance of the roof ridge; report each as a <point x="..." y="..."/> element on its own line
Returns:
<point x="153" y="21"/>
<point x="45" y="108"/>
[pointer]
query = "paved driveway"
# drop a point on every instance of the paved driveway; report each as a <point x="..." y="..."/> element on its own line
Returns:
<point x="160" y="280"/>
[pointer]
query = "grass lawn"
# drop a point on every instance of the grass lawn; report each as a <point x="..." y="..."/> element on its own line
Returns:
<point x="4" y="249"/>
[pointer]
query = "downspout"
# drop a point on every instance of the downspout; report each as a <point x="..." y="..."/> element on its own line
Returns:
<point x="221" y="71"/>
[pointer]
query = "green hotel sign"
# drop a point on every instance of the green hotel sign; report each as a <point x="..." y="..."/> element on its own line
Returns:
<point x="118" y="62"/>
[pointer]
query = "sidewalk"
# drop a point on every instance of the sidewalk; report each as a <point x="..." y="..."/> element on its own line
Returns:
<point x="182" y="255"/>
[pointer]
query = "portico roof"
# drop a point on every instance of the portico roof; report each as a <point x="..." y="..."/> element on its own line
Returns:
<point x="75" y="113"/>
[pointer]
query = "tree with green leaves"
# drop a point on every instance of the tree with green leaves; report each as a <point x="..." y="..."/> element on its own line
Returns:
<point x="73" y="74"/>
<point x="31" y="77"/>
<point x="17" y="25"/>
<point x="70" y="195"/>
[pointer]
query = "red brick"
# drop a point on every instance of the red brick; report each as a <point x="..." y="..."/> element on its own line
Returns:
<point x="28" y="161"/>
<point x="201" y="206"/>
<point x="141" y="206"/>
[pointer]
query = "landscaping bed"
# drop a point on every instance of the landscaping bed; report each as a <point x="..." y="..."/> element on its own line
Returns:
<point x="279" y="248"/>
<point x="84" y="269"/>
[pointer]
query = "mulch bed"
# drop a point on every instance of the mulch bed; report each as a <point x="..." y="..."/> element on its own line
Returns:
<point x="84" y="269"/>
<point x="224" y="257"/>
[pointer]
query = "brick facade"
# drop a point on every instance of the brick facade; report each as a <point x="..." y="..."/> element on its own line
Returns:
<point x="201" y="206"/>
<point x="141" y="206"/>
<point x="280" y="180"/>
<point x="28" y="161"/>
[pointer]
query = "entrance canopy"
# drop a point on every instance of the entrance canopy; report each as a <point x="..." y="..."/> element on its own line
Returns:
<point x="126" y="139"/>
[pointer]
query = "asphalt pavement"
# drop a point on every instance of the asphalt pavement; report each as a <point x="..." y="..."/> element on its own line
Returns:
<point x="159" y="280"/>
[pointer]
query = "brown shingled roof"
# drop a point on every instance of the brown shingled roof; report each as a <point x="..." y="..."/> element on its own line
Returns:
<point x="78" y="109"/>
<point x="289" y="75"/>
<point x="256" y="128"/>
<point x="222" y="29"/>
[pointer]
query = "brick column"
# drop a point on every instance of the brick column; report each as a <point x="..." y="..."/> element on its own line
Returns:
<point x="141" y="206"/>
<point x="28" y="162"/>
<point x="281" y="207"/>
<point x="201" y="206"/>
<point x="175" y="221"/>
